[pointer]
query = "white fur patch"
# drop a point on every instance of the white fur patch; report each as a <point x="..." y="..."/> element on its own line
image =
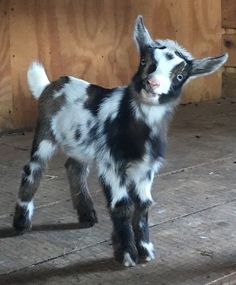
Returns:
<point x="158" y="164"/>
<point x="174" y="46"/>
<point x="37" y="79"/>
<point x="151" y="114"/>
<point x="137" y="173"/>
<point x="163" y="70"/>
<point x="45" y="150"/>
<point x="75" y="89"/>
<point x="34" y="166"/>
<point x="117" y="195"/>
<point x="110" y="103"/>
<point x="28" y="205"/>
<point x="117" y="192"/>
<point x="150" y="249"/>
<point x="143" y="190"/>
<point x="128" y="261"/>
<point x="165" y="83"/>
<point x="64" y="125"/>
<point x="154" y="114"/>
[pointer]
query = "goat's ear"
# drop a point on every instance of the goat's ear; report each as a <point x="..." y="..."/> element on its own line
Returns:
<point x="141" y="34"/>
<point x="207" y="65"/>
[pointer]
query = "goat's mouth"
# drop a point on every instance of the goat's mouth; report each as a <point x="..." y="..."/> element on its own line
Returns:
<point x="150" y="93"/>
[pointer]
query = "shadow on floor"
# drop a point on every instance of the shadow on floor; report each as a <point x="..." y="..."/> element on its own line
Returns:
<point x="10" y="232"/>
<point x="76" y="271"/>
<point x="43" y="274"/>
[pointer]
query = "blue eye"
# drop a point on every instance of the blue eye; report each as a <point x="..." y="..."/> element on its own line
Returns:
<point x="180" y="77"/>
<point x="143" y="62"/>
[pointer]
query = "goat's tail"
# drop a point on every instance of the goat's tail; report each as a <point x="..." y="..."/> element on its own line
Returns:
<point x="37" y="79"/>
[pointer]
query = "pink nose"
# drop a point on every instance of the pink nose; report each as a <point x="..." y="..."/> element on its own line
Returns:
<point x="154" y="82"/>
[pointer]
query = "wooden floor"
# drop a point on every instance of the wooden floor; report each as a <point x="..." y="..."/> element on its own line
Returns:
<point x="192" y="223"/>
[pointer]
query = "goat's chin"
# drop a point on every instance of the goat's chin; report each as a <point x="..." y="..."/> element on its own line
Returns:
<point x="150" y="98"/>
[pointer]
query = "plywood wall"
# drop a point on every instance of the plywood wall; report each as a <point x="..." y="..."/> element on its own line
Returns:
<point x="92" y="39"/>
<point x="229" y="25"/>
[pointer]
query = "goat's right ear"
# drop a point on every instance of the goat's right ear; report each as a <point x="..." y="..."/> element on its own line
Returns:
<point x="141" y="34"/>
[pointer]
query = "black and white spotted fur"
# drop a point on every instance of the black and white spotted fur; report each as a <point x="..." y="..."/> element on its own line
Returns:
<point x="122" y="129"/>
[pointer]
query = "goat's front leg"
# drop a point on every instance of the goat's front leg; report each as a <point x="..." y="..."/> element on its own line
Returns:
<point x="141" y="195"/>
<point x="77" y="173"/>
<point x="121" y="211"/>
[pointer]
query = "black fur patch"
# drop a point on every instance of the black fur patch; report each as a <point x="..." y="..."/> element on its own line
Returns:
<point x="106" y="190"/>
<point x="123" y="235"/>
<point x="172" y="95"/>
<point x="88" y="124"/>
<point x="58" y="84"/>
<point x="169" y="56"/>
<point x="126" y="136"/>
<point x="141" y="76"/>
<point x="77" y="134"/>
<point x="21" y="221"/>
<point x="149" y="175"/>
<point x="135" y="198"/>
<point x="93" y="132"/>
<point x="157" y="147"/>
<point x="161" y="47"/>
<point x="123" y="208"/>
<point x="96" y="95"/>
<point x="27" y="170"/>
<point x="152" y="67"/>
<point x="176" y="86"/>
<point x="140" y="225"/>
<point x="181" y="55"/>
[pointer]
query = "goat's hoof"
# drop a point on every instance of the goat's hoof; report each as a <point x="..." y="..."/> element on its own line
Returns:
<point x="21" y="221"/>
<point x="128" y="257"/>
<point x="128" y="261"/>
<point x="88" y="219"/>
<point x="146" y="251"/>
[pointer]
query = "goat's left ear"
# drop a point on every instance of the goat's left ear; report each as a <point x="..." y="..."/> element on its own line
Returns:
<point x="141" y="34"/>
<point x="207" y="65"/>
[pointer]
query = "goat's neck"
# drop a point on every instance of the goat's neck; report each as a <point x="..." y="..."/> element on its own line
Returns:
<point x="152" y="114"/>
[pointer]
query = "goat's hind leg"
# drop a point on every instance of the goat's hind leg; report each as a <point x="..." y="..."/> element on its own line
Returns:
<point x="77" y="173"/>
<point x="42" y="150"/>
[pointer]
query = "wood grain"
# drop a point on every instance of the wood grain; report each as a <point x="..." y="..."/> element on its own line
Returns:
<point x="229" y="42"/>
<point x="93" y="40"/>
<point x="228" y="13"/>
<point x="5" y="71"/>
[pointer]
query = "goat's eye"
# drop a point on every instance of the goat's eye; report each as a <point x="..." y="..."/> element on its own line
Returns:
<point x="143" y="62"/>
<point x="180" y="77"/>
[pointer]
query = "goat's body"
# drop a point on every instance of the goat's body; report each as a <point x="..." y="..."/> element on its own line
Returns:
<point x="105" y="125"/>
<point x="109" y="126"/>
<point x="122" y="129"/>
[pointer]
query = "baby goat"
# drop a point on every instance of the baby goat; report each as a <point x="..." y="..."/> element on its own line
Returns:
<point x="122" y="129"/>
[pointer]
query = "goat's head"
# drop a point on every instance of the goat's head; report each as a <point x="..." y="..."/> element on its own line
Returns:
<point x="165" y="67"/>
